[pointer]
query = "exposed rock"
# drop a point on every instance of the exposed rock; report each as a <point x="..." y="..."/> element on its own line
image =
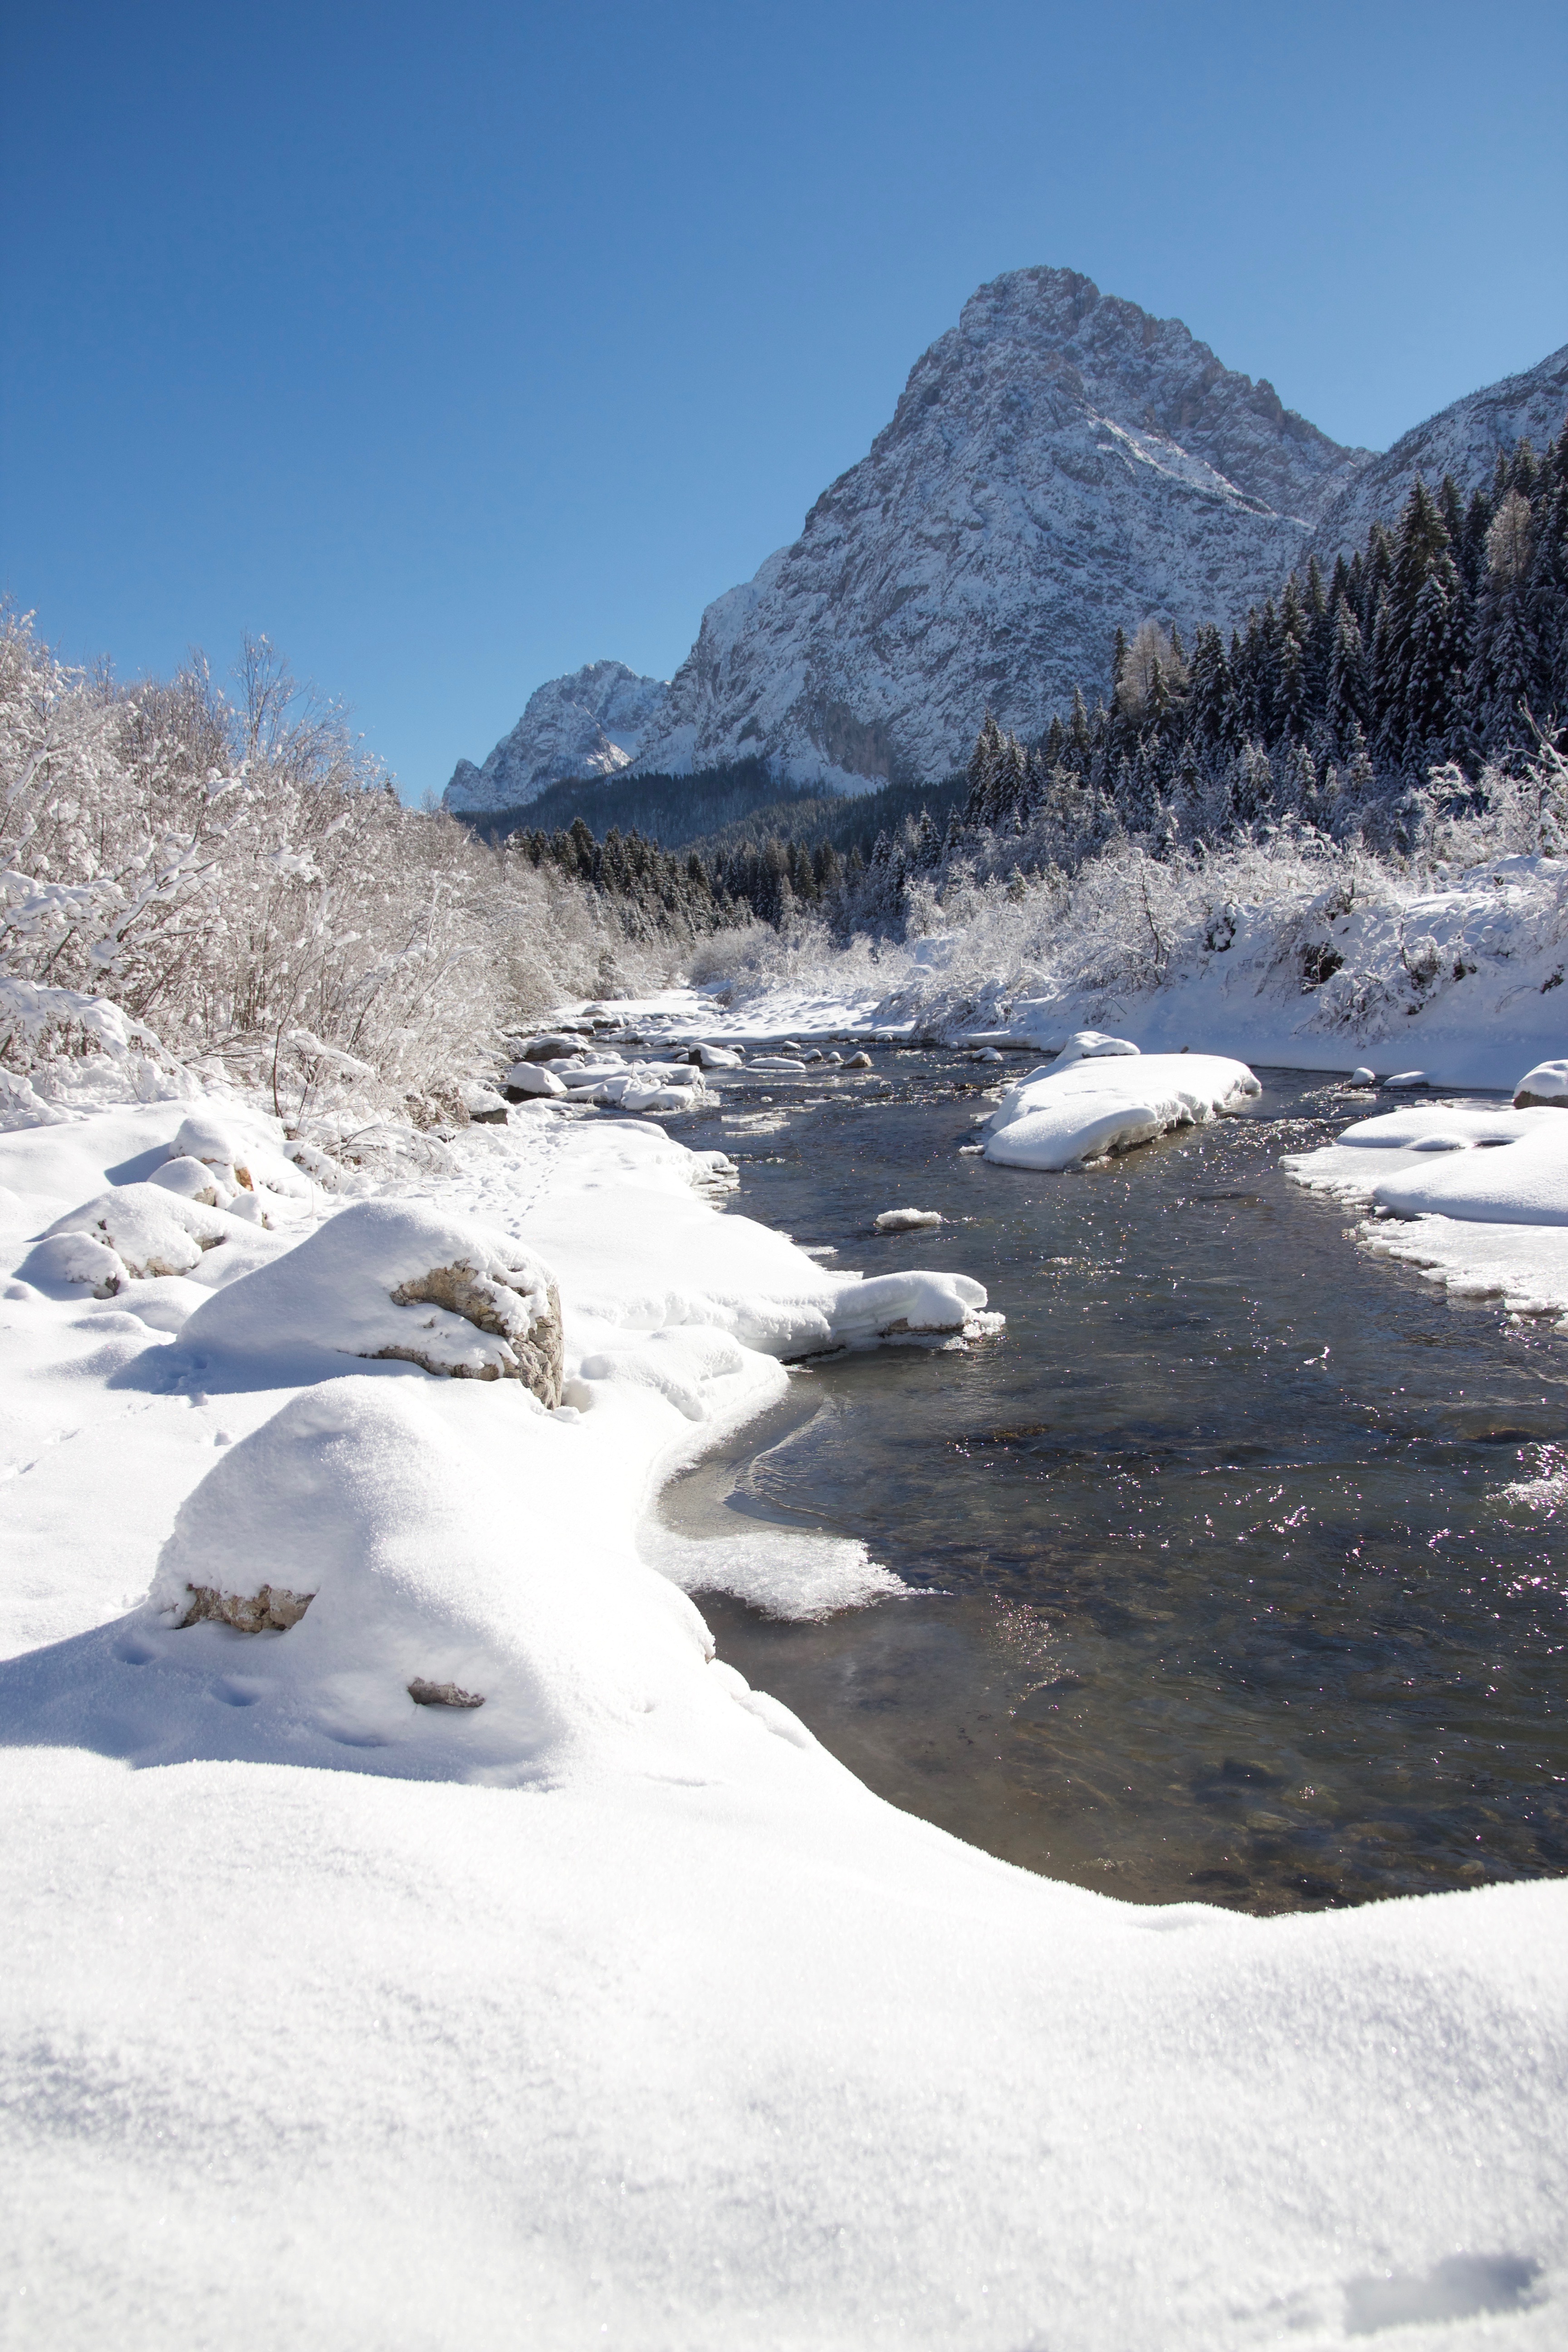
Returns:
<point x="534" y="1341"/>
<point x="272" y="1610"/>
<point x="425" y="1694"/>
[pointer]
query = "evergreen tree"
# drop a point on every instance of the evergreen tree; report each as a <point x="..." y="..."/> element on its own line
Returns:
<point x="1344" y="693"/>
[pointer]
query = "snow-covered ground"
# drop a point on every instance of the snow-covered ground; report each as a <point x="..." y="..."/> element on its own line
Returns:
<point x="1280" y="955"/>
<point x="479" y="1961"/>
<point x="1473" y="1193"/>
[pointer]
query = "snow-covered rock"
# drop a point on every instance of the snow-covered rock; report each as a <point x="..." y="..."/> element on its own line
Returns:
<point x="906" y="1221"/>
<point x="135" y="1232"/>
<point x="1059" y="1117"/>
<point x="526" y="1078"/>
<point x="393" y="1280"/>
<point x="1546" y="1083"/>
<point x="589" y="724"/>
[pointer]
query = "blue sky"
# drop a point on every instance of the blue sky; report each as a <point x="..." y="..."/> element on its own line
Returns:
<point x="455" y="347"/>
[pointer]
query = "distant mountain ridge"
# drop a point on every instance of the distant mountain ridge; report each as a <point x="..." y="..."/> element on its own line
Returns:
<point x="1060" y="464"/>
<point x="589" y="724"/>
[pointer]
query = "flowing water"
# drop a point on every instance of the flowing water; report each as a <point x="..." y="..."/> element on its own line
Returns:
<point x="1236" y="1566"/>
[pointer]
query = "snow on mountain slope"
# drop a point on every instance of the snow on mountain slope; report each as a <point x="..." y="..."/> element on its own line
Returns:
<point x="1462" y="440"/>
<point x="1059" y="463"/>
<point x="589" y="724"/>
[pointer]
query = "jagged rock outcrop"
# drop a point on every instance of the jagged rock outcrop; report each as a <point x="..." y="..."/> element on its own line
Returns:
<point x="1060" y="464"/>
<point x="589" y="724"/>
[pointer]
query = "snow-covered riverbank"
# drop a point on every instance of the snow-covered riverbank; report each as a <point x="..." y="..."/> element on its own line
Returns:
<point x="1297" y="955"/>
<point x="613" y="2008"/>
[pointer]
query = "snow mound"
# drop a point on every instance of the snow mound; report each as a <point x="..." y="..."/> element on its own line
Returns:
<point x="1484" y="1167"/>
<point x="1059" y="1118"/>
<point x="1091" y="1045"/>
<point x="1547" y="1082"/>
<point x="130" y="1233"/>
<point x="399" y="1280"/>
<point x="417" y="1536"/>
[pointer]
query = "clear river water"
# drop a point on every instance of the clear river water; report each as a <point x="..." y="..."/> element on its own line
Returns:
<point x="1236" y="1562"/>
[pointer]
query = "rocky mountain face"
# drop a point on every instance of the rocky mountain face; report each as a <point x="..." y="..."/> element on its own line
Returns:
<point x="589" y="724"/>
<point x="1462" y="440"/>
<point x="1060" y="464"/>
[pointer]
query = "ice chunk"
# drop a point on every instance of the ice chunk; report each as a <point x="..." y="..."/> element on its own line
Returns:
<point x="906" y="1221"/>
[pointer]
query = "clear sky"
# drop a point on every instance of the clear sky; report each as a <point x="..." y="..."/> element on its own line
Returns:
<point x="454" y="346"/>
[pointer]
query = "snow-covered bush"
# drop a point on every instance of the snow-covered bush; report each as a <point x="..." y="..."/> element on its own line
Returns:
<point x="238" y="876"/>
<point x="1369" y="937"/>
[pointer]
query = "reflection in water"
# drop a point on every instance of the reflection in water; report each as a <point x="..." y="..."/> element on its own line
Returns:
<point x="1236" y="1559"/>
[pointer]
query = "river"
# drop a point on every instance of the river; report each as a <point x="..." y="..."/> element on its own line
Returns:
<point x="1236" y="1566"/>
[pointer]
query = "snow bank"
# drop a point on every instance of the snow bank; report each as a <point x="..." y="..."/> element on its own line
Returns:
<point x="1062" y="1116"/>
<point x="730" y="2055"/>
<point x="1484" y="1165"/>
<point x="1480" y="1195"/>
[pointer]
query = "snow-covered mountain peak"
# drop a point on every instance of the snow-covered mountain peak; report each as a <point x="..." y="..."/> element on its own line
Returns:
<point x="588" y="724"/>
<point x="1060" y="464"/>
<point x="1152" y="375"/>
